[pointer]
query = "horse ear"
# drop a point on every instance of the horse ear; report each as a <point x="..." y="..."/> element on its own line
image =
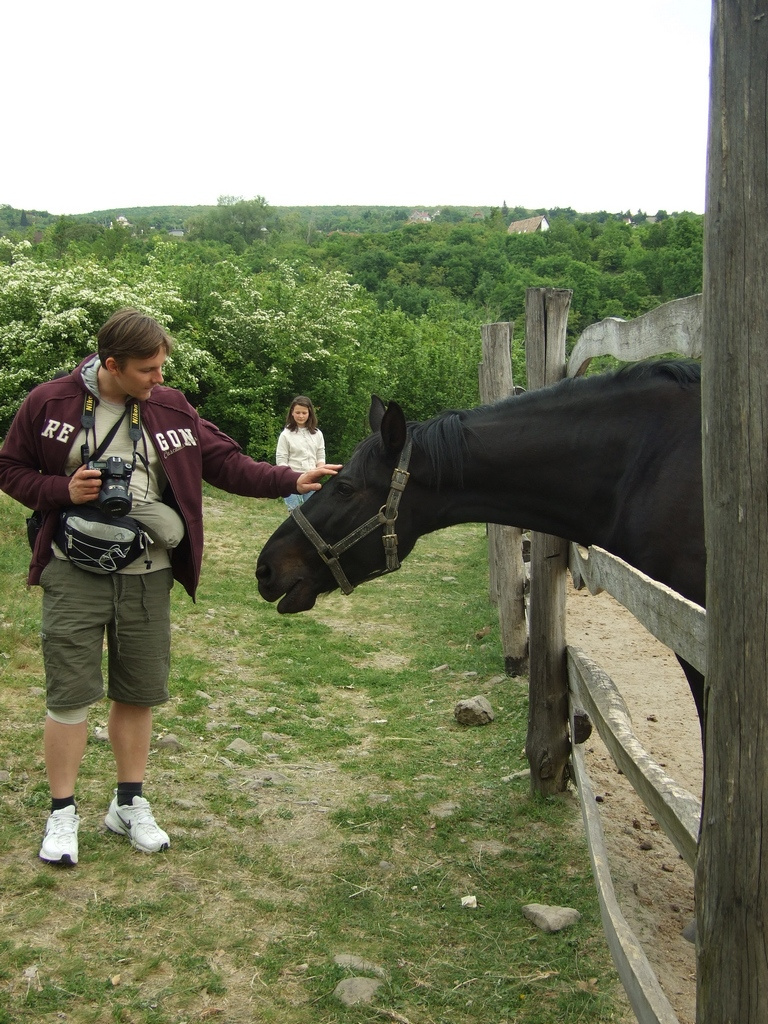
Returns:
<point x="393" y="429"/>
<point x="390" y="420"/>
<point x="376" y="413"/>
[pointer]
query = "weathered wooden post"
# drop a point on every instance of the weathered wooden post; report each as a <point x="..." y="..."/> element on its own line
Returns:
<point x="732" y="865"/>
<point x="547" y="745"/>
<point x="505" y="558"/>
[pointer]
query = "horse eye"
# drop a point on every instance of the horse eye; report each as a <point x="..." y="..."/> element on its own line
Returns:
<point x="344" y="490"/>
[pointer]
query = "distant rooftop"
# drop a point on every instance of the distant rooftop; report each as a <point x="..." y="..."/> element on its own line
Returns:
<point x="528" y="226"/>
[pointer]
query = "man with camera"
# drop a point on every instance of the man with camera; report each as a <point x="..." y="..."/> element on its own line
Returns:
<point x="115" y="461"/>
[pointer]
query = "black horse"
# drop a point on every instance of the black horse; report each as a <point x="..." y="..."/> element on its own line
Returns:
<point x="613" y="460"/>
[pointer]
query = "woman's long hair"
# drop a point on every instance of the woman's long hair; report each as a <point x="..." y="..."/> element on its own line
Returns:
<point x="311" y="423"/>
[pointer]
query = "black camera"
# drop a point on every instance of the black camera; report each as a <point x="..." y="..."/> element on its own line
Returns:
<point x="114" y="499"/>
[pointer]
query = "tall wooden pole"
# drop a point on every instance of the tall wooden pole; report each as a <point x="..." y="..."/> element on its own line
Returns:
<point x="547" y="744"/>
<point x="505" y="555"/>
<point x="732" y="867"/>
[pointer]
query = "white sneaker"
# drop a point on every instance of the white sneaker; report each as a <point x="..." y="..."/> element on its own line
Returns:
<point x="136" y="821"/>
<point x="60" y="839"/>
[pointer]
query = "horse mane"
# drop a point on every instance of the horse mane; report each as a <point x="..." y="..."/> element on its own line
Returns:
<point x="443" y="439"/>
<point x="682" y="372"/>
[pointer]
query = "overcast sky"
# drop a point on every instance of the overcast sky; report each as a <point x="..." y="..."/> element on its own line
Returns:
<point x="589" y="104"/>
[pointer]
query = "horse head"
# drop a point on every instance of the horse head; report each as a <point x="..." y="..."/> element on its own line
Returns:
<point x="356" y="528"/>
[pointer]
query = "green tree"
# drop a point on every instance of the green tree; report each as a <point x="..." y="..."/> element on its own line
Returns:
<point x="67" y="231"/>
<point x="237" y="222"/>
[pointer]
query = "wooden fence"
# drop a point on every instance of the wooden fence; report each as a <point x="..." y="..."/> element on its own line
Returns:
<point x="681" y="625"/>
<point x="556" y="667"/>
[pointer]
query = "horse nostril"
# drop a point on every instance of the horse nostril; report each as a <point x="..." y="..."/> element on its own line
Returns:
<point x="262" y="572"/>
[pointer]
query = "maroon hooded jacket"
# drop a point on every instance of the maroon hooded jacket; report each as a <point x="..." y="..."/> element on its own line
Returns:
<point x="190" y="449"/>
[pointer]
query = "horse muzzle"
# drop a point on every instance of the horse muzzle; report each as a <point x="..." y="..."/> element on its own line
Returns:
<point x="294" y="595"/>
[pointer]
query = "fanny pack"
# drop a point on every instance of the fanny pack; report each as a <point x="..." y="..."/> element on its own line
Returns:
<point x="96" y="543"/>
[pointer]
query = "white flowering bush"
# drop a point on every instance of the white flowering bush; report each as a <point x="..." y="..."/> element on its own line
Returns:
<point x="50" y="315"/>
<point x="289" y="330"/>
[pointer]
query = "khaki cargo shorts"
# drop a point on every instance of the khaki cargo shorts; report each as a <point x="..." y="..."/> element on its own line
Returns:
<point x="79" y="609"/>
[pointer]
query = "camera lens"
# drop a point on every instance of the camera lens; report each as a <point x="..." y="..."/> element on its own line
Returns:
<point x="115" y="505"/>
<point x="114" y="499"/>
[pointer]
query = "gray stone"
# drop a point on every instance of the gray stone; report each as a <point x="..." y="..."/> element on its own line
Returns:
<point x="444" y="809"/>
<point x="473" y="711"/>
<point x="274" y="737"/>
<point x="352" y="991"/>
<point x="241" y="747"/>
<point x="550" y="919"/>
<point x="357" y="963"/>
<point x="168" y="742"/>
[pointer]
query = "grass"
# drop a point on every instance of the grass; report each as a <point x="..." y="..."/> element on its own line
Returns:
<point x="321" y="800"/>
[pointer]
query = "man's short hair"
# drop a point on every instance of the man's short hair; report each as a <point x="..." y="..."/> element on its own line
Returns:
<point x="130" y="334"/>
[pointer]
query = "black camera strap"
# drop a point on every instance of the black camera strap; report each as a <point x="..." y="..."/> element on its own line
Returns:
<point x="88" y="422"/>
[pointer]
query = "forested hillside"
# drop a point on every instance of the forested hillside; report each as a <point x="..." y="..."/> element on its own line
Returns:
<point x="337" y="303"/>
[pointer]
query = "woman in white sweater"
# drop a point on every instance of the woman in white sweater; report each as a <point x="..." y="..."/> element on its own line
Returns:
<point x="301" y="444"/>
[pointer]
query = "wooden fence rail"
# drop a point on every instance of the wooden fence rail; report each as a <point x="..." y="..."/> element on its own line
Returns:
<point x="646" y="996"/>
<point x="678" y="623"/>
<point x="677" y="811"/>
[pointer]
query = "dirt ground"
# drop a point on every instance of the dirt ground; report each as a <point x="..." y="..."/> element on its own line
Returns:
<point x="653" y="884"/>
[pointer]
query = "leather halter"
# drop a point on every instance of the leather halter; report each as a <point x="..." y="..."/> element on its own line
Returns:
<point x="385" y="517"/>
